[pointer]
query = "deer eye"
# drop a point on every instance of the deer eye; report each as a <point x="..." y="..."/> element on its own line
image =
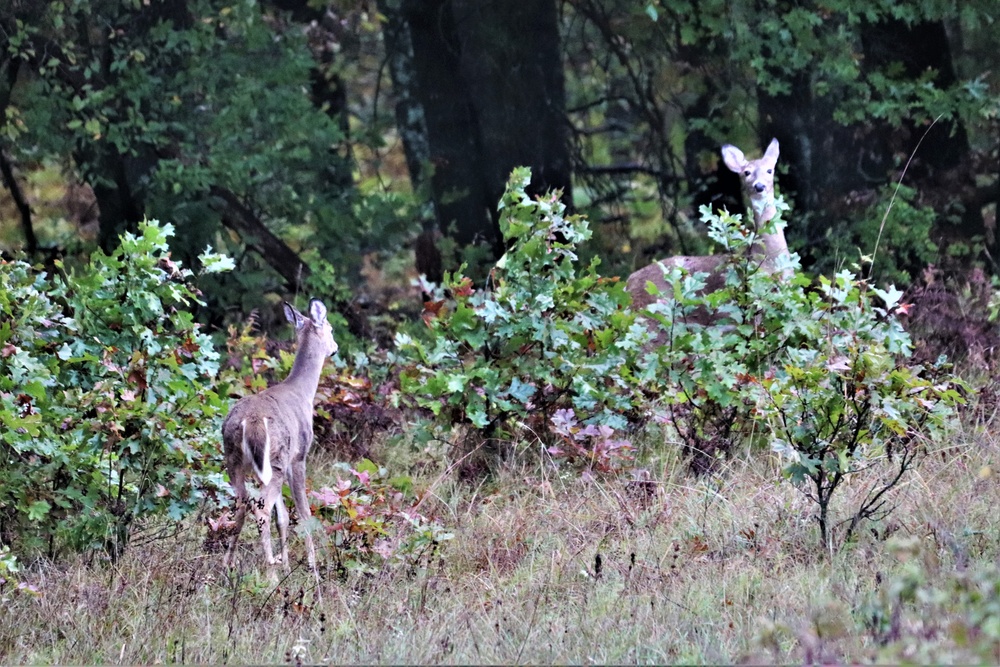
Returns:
<point x="746" y="173"/>
<point x="770" y="171"/>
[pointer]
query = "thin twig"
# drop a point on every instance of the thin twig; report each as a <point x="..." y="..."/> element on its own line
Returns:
<point x="899" y="184"/>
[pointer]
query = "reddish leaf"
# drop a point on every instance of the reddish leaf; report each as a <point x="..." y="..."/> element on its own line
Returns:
<point x="432" y="310"/>
<point x="326" y="496"/>
<point x="464" y="288"/>
<point x="137" y="378"/>
<point x="24" y="401"/>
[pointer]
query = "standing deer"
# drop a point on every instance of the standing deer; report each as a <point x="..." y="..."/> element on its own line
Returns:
<point x="758" y="184"/>
<point x="269" y="435"/>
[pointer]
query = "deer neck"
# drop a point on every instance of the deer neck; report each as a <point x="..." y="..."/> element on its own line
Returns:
<point x="763" y="209"/>
<point x="771" y="245"/>
<point x="309" y="360"/>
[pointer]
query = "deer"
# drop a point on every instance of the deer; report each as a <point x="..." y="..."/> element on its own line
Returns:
<point x="268" y="435"/>
<point x="758" y="185"/>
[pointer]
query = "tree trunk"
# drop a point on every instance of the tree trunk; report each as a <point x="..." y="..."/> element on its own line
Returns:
<point x="21" y="202"/>
<point x="411" y="123"/>
<point x="480" y="91"/>
<point x="819" y="171"/>
<point x="512" y="63"/>
<point x="720" y="187"/>
<point x="435" y="85"/>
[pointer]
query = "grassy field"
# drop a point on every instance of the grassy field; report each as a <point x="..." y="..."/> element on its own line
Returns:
<point x="549" y="567"/>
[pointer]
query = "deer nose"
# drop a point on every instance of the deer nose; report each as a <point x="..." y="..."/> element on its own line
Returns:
<point x="759" y="187"/>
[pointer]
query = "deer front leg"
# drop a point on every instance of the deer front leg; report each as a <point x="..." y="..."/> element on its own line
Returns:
<point x="297" y="483"/>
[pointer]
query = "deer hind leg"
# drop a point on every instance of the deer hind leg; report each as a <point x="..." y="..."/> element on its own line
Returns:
<point x="270" y="494"/>
<point x="283" y="530"/>
<point x="238" y="482"/>
<point x="297" y="483"/>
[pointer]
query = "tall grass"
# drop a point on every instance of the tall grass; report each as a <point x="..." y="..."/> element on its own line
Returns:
<point x="548" y="567"/>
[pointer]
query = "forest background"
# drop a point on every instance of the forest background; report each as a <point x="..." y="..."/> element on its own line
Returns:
<point x="342" y="150"/>
<point x="343" y="139"/>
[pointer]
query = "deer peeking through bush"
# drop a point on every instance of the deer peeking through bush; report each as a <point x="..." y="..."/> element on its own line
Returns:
<point x="758" y="185"/>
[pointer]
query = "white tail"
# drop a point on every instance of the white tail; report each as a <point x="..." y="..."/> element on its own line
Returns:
<point x="758" y="185"/>
<point x="269" y="435"/>
<point x="262" y="461"/>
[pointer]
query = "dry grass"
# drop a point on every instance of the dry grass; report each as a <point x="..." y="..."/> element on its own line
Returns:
<point x="544" y="568"/>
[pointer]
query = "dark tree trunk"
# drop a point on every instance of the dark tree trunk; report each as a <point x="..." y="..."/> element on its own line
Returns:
<point x="717" y="187"/>
<point x="818" y="171"/>
<point x="115" y="180"/>
<point x="453" y="150"/>
<point x="119" y="180"/>
<point x="412" y="125"/>
<point x="513" y="65"/>
<point x="480" y="91"/>
<point x="10" y="68"/>
<point x="21" y="202"/>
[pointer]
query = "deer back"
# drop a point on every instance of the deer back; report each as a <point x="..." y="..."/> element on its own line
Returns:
<point x="283" y="413"/>
<point x="637" y="283"/>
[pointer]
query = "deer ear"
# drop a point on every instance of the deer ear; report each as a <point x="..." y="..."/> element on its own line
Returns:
<point x="292" y="315"/>
<point x="317" y="311"/>
<point x="733" y="157"/>
<point x="771" y="154"/>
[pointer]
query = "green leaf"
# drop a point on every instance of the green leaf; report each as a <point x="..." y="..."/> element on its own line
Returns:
<point x="456" y="383"/>
<point x="215" y="263"/>
<point x="890" y="297"/>
<point x="366" y="465"/>
<point x="38" y="510"/>
<point x="521" y="391"/>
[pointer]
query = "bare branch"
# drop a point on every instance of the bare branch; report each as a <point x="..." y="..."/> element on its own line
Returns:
<point x="237" y="216"/>
<point x="7" y="170"/>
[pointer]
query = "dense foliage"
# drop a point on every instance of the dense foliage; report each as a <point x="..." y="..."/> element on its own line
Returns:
<point x="548" y="343"/>
<point x="264" y="127"/>
<point x="108" y="416"/>
<point x="859" y="94"/>
<point x="200" y="113"/>
<point x="820" y="375"/>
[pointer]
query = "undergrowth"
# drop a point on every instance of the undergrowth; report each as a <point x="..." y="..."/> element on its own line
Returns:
<point x="550" y="568"/>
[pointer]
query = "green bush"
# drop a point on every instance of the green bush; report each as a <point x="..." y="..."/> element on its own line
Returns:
<point x="545" y="336"/>
<point x="107" y="412"/>
<point x="847" y="403"/>
<point x="703" y="375"/>
<point x="820" y="374"/>
<point x="902" y="236"/>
